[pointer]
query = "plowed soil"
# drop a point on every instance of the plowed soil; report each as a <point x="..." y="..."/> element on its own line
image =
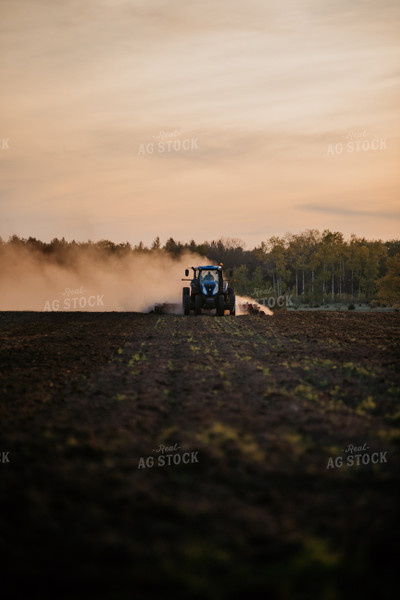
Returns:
<point x="262" y="406"/>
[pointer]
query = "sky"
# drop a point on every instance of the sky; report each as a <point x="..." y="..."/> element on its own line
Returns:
<point x="131" y="119"/>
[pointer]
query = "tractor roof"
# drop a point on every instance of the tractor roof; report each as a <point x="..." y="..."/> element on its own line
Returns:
<point x="209" y="267"/>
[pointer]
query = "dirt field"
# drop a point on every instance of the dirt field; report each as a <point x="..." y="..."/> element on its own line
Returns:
<point x="260" y="407"/>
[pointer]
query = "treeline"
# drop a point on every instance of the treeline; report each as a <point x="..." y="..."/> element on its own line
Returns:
<point x="313" y="267"/>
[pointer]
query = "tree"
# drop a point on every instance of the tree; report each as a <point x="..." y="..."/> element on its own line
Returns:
<point x="361" y="259"/>
<point x="278" y="260"/>
<point x="257" y="281"/>
<point x="156" y="245"/>
<point x="389" y="285"/>
<point x="322" y="258"/>
<point x="240" y="274"/>
<point x="351" y="259"/>
<point x="172" y="247"/>
<point x="313" y="240"/>
<point x="376" y="250"/>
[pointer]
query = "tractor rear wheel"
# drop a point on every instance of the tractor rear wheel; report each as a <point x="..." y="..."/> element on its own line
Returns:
<point x="232" y="310"/>
<point x="186" y="301"/>
<point x="220" y="305"/>
<point x="197" y="304"/>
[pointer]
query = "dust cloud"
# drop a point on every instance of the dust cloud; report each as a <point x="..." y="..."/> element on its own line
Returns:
<point x="242" y="306"/>
<point x="90" y="280"/>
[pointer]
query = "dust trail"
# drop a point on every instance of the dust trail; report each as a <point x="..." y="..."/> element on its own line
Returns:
<point x="243" y="303"/>
<point x="89" y="279"/>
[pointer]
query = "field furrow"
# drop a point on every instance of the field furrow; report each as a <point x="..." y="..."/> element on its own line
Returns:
<point x="98" y="411"/>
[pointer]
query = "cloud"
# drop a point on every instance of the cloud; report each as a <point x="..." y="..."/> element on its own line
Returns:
<point x="346" y="212"/>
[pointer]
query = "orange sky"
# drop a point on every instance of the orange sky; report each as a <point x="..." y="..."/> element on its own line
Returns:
<point x="273" y="116"/>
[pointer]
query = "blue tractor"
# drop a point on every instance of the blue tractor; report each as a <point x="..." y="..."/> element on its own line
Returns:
<point x="208" y="290"/>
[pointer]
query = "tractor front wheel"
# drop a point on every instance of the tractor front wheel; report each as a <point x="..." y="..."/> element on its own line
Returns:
<point x="197" y="304"/>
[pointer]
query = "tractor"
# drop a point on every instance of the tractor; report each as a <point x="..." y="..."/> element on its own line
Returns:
<point x="208" y="290"/>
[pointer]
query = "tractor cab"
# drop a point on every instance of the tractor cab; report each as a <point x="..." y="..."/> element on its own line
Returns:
<point x="210" y="280"/>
